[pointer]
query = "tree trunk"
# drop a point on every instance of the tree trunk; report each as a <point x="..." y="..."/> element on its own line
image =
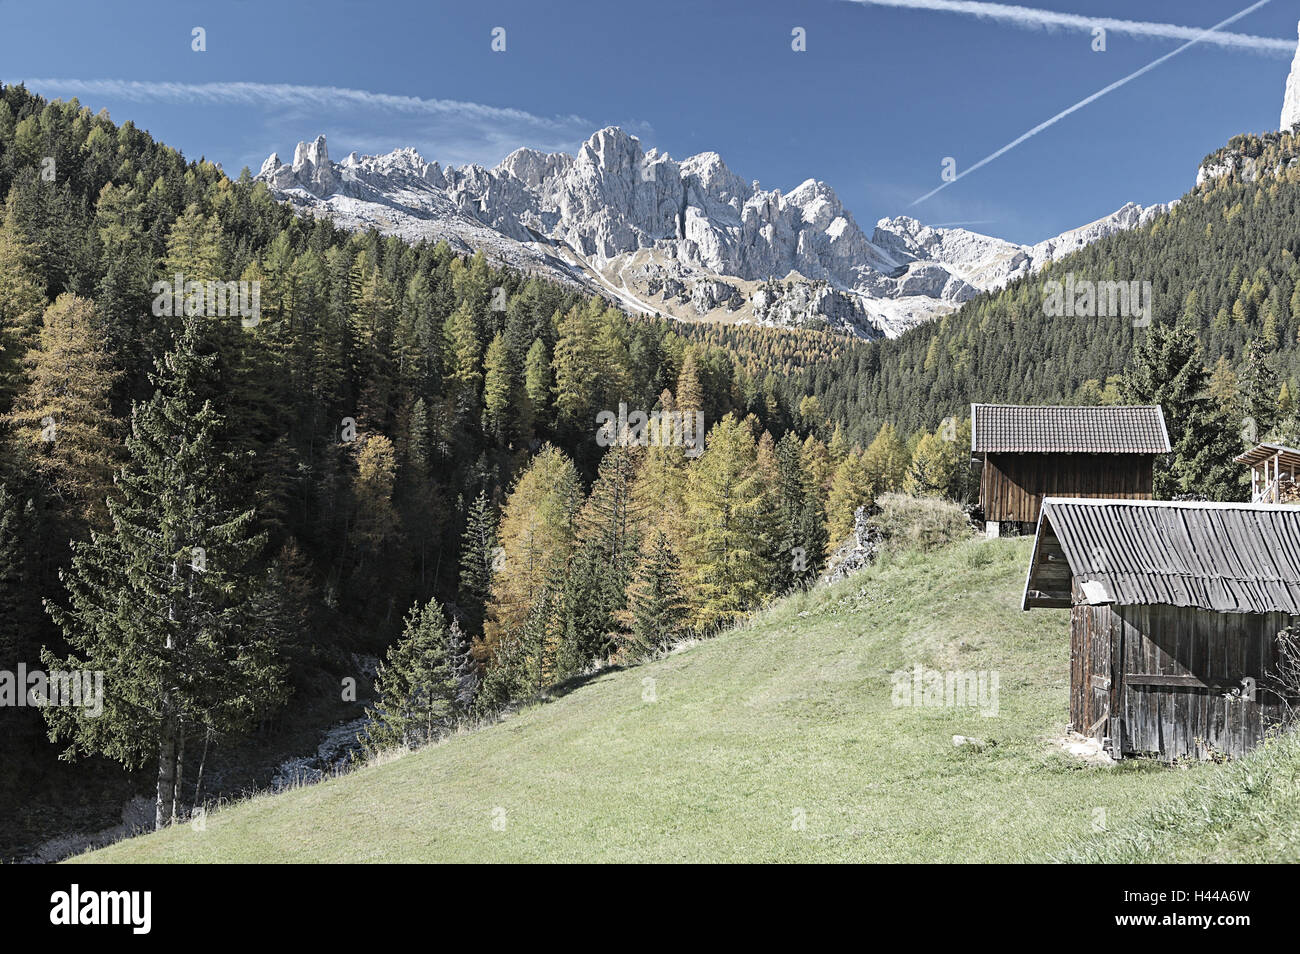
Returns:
<point x="165" y="804"/>
<point x="180" y="770"/>
<point x="203" y="761"/>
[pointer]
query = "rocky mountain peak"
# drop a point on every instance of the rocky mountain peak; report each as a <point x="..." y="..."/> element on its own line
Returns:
<point x="1291" y="99"/>
<point x="654" y="233"/>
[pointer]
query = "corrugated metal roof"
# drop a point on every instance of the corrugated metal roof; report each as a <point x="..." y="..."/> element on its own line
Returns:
<point x="1042" y="429"/>
<point x="1232" y="558"/>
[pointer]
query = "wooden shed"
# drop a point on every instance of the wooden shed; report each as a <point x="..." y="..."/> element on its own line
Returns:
<point x="1274" y="473"/>
<point x="1027" y="453"/>
<point x="1175" y="613"/>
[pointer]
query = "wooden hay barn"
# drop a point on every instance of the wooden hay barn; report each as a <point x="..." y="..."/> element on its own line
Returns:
<point x="1027" y="453"/>
<point x="1274" y="473"/>
<point x="1175" y="611"/>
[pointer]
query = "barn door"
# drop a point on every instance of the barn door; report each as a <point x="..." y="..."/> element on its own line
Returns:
<point x="1099" y="674"/>
<point x="1091" y="670"/>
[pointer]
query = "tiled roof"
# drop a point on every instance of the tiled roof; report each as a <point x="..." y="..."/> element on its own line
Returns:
<point x="1232" y="558"/>
<point x="1008" y="428"/>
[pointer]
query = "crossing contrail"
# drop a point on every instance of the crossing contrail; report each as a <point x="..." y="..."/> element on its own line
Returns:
<point x="1093" y="98"/>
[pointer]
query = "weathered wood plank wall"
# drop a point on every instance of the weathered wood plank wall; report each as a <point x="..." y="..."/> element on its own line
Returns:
<point x="1012" y="486"/>
<point x="1173" y="679"/>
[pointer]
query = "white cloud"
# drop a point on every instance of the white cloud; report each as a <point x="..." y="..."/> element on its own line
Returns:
<point x="452" y="131"/>
<point x="1031" y="18"/>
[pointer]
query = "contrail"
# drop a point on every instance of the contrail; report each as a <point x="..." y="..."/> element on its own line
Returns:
<point x="285" y="94"/>
<point x="1093" y="98"/>
<point x="1030" y="18"/>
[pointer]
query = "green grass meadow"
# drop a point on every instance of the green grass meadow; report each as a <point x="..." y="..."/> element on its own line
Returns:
<point x="779" y="741"/>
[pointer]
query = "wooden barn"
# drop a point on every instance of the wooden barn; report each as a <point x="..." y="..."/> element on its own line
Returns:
<point x="1028" y="453"/>
<point x="1175" y="612"/>
<point x="1274" y="473"/>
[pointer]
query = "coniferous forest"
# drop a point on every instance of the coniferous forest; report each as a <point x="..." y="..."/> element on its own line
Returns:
<point x="401" y="456"/>
<point x="224" y="515"/>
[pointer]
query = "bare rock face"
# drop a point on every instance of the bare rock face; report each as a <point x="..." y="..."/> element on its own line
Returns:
<point x="572" y="216"/>
<point x="1291" y="100"/>
<point x="857" y="552"/>
<point x="796" y="304"/>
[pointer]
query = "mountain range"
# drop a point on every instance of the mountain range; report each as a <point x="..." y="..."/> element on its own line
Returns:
<point x="688" y="239"/>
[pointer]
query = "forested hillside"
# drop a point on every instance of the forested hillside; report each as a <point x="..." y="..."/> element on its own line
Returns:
<point x="382" y="439"/>
<point x="1223" y="262"/>
<point x="241" y="450"/>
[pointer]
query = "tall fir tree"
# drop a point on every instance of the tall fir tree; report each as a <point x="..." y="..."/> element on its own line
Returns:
<point x="657" y="614"/>
<point x="478" y="555"/>
<point x="800" y="518"/>
<point x="1259" y="385"/>
<point x="162" y="603"/>
<point x="1167" y="369"/>
<point x="609" y="521"/>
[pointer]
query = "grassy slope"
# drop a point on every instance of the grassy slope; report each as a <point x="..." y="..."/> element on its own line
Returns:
<point x="790" y="712"/>
<point x="1248" y="811"/>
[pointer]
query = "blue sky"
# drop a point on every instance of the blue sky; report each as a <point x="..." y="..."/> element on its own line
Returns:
<point x="881" y="96"/>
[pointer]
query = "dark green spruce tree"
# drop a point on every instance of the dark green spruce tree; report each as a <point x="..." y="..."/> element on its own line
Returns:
<point x="419" y="682"/>
<point x="478" y="554"/>
<point x="17" y="620"/>
<point x="1168" y="369"/>
<point x="164" y="603"/>
<point x="1259" y="385"/>
<point x="801" y="526"/>
<point x="656" y="605"/>
<point x="585" y="609"/>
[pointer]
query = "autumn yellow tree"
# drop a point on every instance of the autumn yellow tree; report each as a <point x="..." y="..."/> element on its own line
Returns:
<point x="886" y="461"/>
<point x="21" y="305"/>
<point x="536" y="535"/>
<point x="376" y="475"/>
<point x="850" y="489"/>
<point x="62" y="421"/>
<point x="659" y="487"/>
<point x="689" y="394"/>
<point x="816" y="460"/>
<point x="732" y="528"/>
<point x="933" y="470"/>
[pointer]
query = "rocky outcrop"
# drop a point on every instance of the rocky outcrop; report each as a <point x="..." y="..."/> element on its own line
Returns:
<point x="1291" y="98"/>
<point x="800" y="304"/>
<point x="857" y="552"/>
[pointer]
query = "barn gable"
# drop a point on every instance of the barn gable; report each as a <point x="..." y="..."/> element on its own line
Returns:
<point x="1229" y="558"/>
